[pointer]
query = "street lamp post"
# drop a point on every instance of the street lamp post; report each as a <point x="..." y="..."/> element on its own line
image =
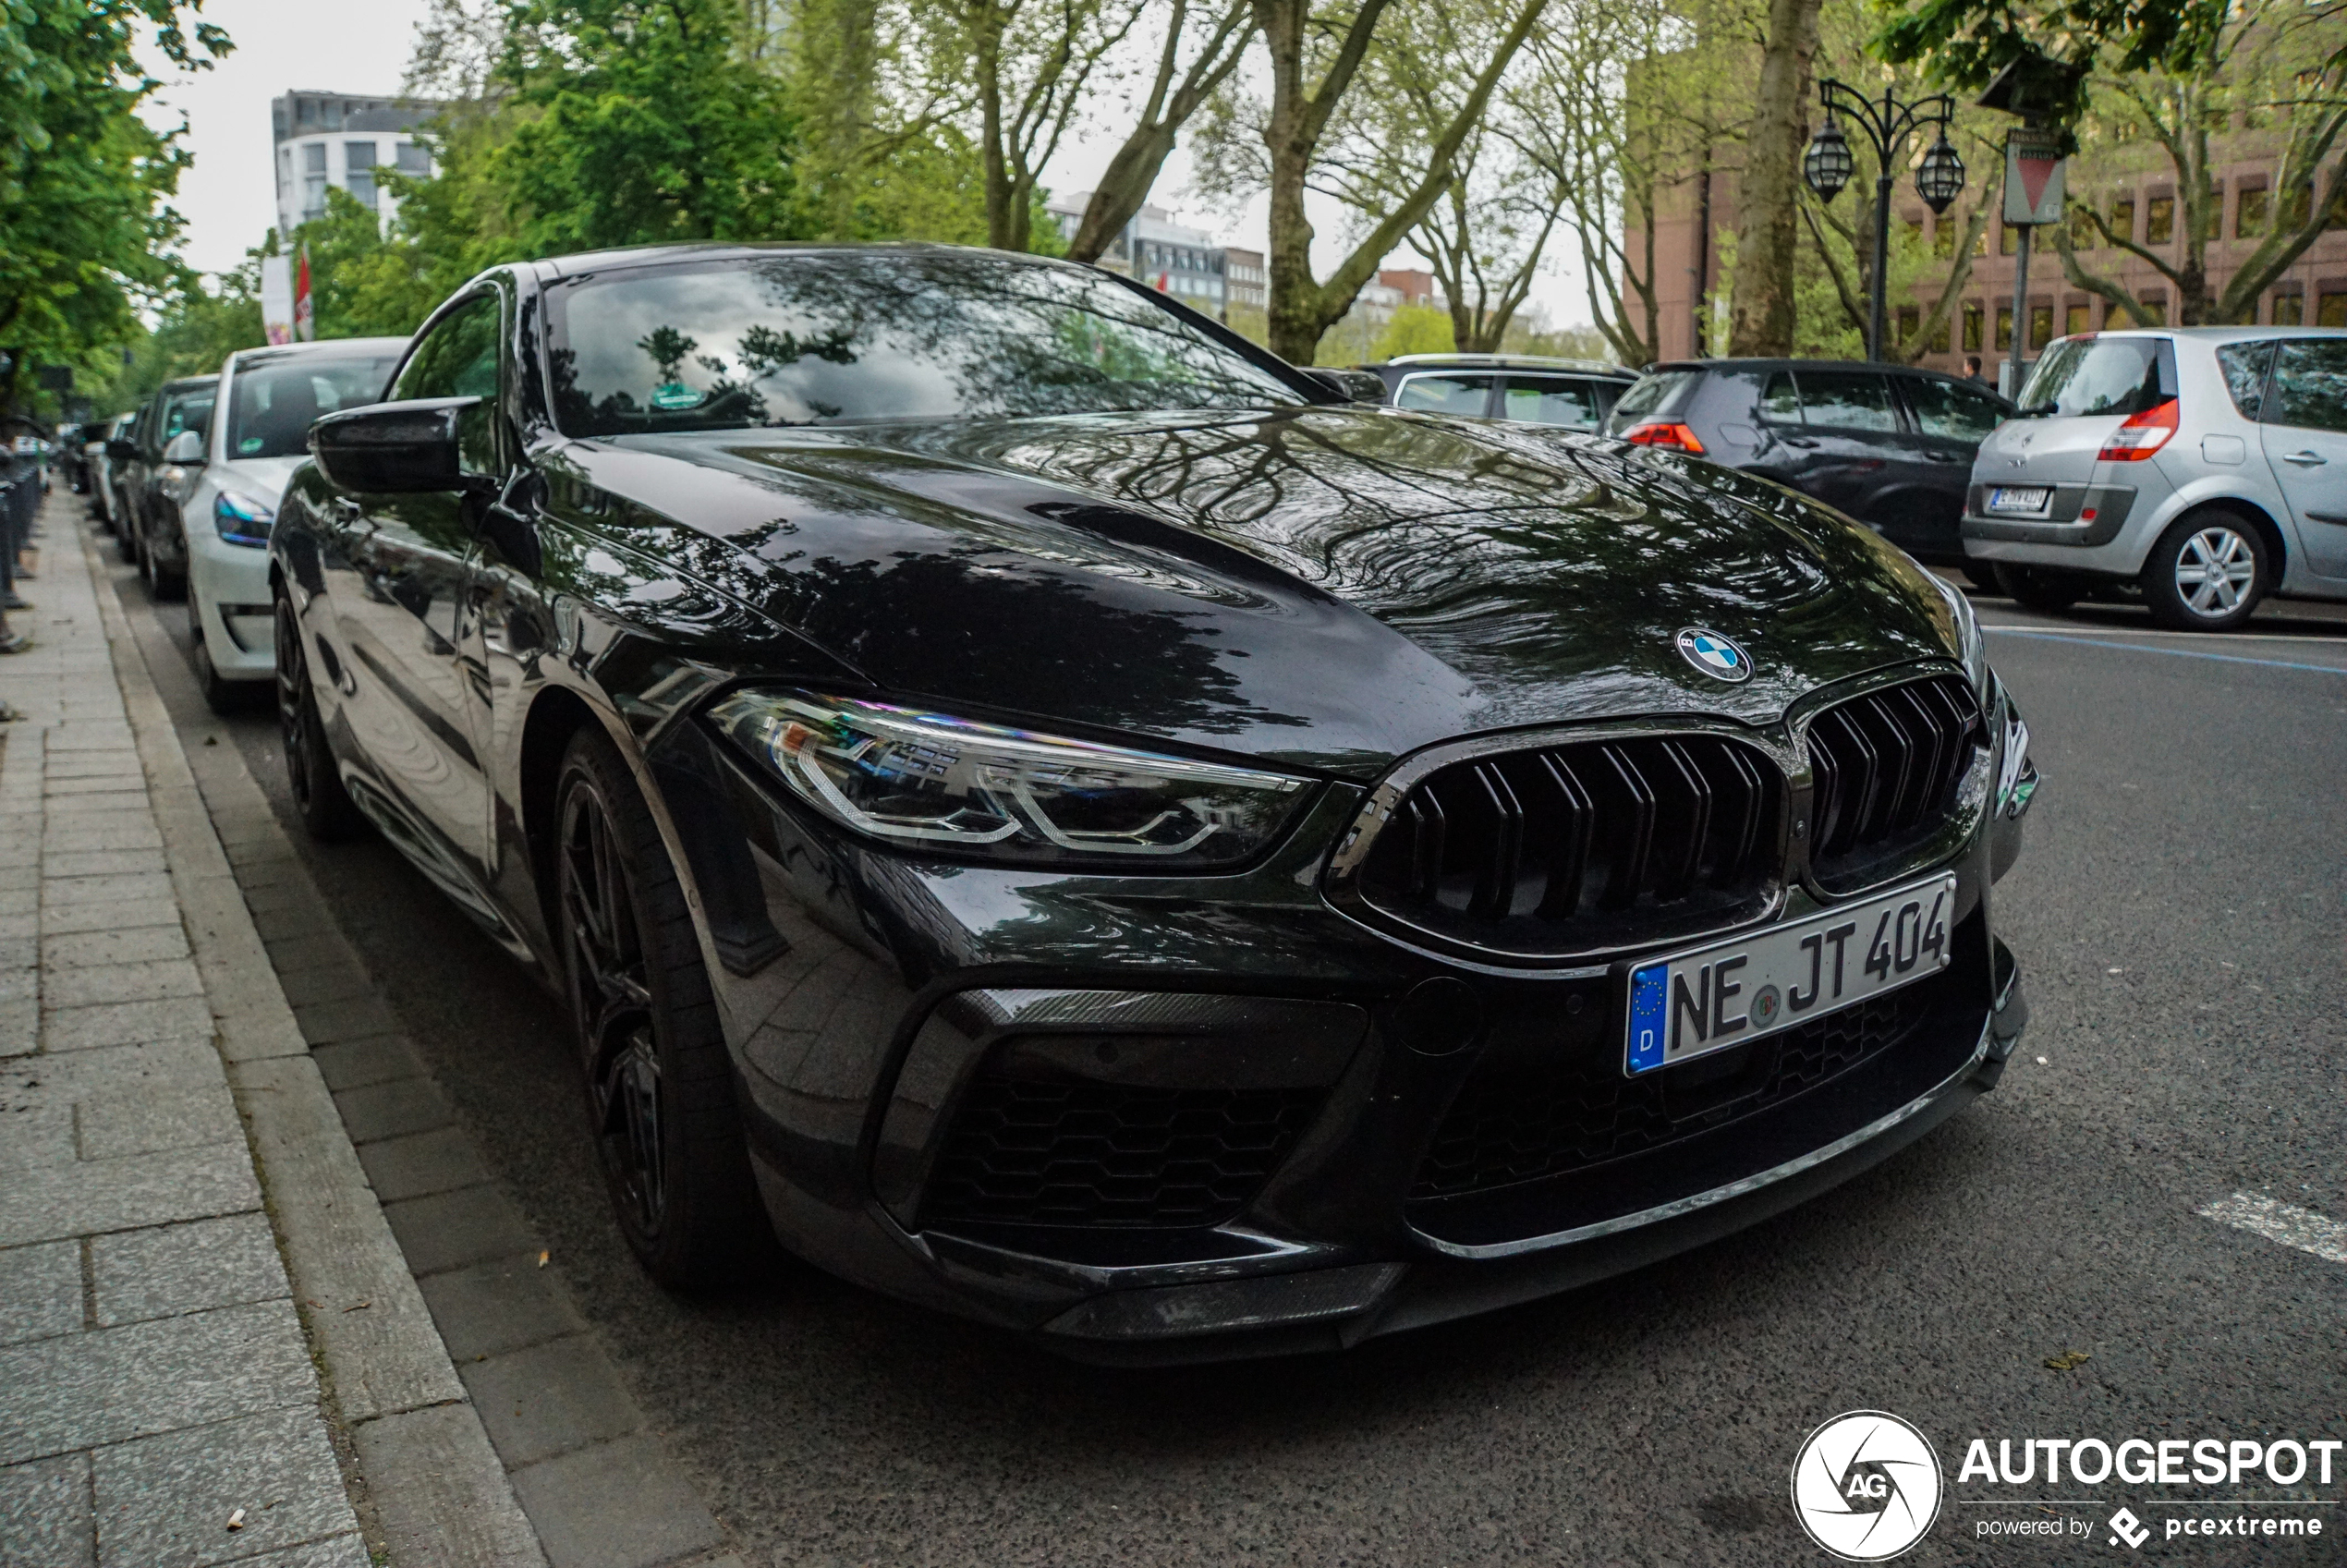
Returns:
<point x="1827" y="166"/>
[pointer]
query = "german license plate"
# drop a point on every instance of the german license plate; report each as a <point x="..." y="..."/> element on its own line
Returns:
<point x="2030" y="498"/>
<point x="1732" y="992"/>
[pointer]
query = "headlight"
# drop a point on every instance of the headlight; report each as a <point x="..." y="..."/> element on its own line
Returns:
<point x="938" y="783"/>
<point x="241" y="519"/>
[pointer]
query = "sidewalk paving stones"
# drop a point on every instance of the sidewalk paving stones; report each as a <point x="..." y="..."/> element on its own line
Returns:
<point x="600" y="1488"/>
<point x="157" y="1374"/>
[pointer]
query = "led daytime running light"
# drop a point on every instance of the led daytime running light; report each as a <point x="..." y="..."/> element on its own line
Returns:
<point x="902" y="776"/>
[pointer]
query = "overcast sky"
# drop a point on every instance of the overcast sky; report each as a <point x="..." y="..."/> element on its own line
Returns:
<point x="229" y="197"/>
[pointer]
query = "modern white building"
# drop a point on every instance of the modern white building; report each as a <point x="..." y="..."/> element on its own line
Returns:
<point x="1188" y="264"/>
<point x="342" y="139"/>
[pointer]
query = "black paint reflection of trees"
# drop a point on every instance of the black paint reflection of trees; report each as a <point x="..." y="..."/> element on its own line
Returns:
<point x="1006" y="338"/>
<point x="937" y="628"/>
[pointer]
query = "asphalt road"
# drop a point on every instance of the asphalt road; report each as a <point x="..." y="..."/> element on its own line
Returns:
<point x="2179" y="917"/>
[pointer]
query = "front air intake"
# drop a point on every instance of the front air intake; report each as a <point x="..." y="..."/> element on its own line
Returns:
<point x="1577" y="848"/>
<point x="1889" y="769"/>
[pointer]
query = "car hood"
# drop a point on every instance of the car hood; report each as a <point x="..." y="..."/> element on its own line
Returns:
<point x="1330" y="587"/>
<point x="263" y="479"/>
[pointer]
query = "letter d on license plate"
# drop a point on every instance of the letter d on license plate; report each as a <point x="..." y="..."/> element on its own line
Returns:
<point x="1732" y="992"/>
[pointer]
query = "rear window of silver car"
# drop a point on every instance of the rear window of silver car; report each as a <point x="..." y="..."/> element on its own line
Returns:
<point x="1651" y="395"/>
<point x="2095" y="375"/>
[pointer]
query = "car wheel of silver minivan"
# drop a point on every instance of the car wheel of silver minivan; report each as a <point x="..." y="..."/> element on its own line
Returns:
<point x="2207" y="572"/>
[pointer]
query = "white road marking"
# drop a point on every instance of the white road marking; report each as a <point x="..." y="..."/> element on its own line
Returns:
<point x="2291" y="1226"/>
<point x="2066" y="629"/>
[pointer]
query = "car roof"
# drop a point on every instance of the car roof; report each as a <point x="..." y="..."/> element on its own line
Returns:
<point x="549" y="268"/>
<point x="188" y="384"/>
<point x="1766" y="364"/>
<point x="331" y="349"/>
<point x="1500" y="361"/>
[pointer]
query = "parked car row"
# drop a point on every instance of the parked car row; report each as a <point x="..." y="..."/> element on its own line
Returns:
<point x="189" y="484"/>
<point x="2201" y="468"/>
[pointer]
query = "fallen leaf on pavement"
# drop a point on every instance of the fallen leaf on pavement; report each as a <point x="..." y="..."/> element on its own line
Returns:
<point x="236" y="1520"/>
<point x="542" y="1259"/>
<point x="2068" y="1360"/>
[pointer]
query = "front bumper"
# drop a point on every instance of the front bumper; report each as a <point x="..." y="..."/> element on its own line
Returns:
<point x="229" y="594"/>
<point x="877" y="1008"/>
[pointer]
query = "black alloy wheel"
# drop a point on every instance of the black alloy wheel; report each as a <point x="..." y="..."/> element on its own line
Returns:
<point x="163" y="584"/>
<point x="660" y="1091"/>
<point x="225" y="698"/>
<point x="325" y="807"/>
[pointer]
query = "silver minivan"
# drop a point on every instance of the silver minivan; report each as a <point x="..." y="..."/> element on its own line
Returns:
<point x="2208" y="465"/>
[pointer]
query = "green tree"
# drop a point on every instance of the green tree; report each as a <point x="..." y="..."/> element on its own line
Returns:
<point x="638" y="121"/>
<point x="86" y="230"/>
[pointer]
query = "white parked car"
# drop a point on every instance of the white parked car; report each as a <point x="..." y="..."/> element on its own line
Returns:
<point x="2207" y="464"/>
<point x="259" y="434"/>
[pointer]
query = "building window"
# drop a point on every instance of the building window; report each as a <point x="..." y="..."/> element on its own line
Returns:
<point x="2252" y="210"/>
<point x="1980" y="242"/>
<point x="2156" y="311"/>
<point x="2040" y="325"/>
<point x="2160" y="220"/>
<point x="414" y="158"/>
<point x="2004" y="328"/>
<point x="2074" y="321"/>
<point x="2123" y="217"/>
<point x="1910" y="322"/>
<point x="2084" y="236"/>
<point x="1972" y="329"/>
<point x="2330" y="311"/>
<point x="2296" y="204"/>
<point x="330" y="115"/>
<point x="359" y="171"/>
<point x="1940" y="337"/>
<point x="2008" y="238"/>
<point x="305" y="111"/>
<point x="2289" y="310"/>
<point x="1943" y="237"/>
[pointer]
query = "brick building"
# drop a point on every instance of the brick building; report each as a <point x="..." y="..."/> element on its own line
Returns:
<point x="2133" y="183"/>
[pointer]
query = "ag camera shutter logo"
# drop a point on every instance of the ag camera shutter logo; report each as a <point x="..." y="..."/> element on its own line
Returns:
<point x="1866" y="1486"/>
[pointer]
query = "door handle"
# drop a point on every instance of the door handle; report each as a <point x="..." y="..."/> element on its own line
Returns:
<point x="2306" y="459"/>
<point x="1800" y="441"/>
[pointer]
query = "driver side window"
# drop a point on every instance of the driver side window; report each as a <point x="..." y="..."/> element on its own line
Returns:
<point x="458" y="358"/>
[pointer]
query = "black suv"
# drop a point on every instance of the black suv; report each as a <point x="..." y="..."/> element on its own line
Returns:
<point x="1891" y="445"/>
<point x="1573" y="394"/>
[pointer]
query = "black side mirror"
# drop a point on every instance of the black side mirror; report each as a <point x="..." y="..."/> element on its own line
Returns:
<point x="395" y="448"/>
<point x="1354" y="386"/>
<point x="122" y="449"/>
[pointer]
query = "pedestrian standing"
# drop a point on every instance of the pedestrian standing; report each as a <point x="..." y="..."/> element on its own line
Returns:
<point x="1972" y="368"/>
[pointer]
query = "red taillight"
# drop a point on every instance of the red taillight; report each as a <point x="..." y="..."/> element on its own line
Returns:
<point x="1678" y="438"/>
<point x="2142" y="435"/>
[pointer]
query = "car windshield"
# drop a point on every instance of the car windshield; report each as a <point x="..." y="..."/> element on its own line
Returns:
<point x="830" y="338"/>
<point x="275" y="397"/>
<point x="2095" y="375"/>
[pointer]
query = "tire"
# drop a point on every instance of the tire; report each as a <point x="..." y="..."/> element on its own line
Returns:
<point x="164" y="585"/>
<point x="325" y="808"/>
<point x="226" y="699"/>
<point x="2038" y="588"/>
<point x="1980" y="574"/>
<point x="659" y="1082"/>
<point x="2207" y="573"/>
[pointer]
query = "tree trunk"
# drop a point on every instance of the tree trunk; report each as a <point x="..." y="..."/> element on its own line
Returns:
<point x="1130" y="173"/>
<point x="1768" y="217"/>
<point x="1288" y="140"/>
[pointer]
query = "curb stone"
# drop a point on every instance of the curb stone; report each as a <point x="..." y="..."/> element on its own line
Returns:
<point x="595" y="1479"/>
<point x="437" y="1491"/>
